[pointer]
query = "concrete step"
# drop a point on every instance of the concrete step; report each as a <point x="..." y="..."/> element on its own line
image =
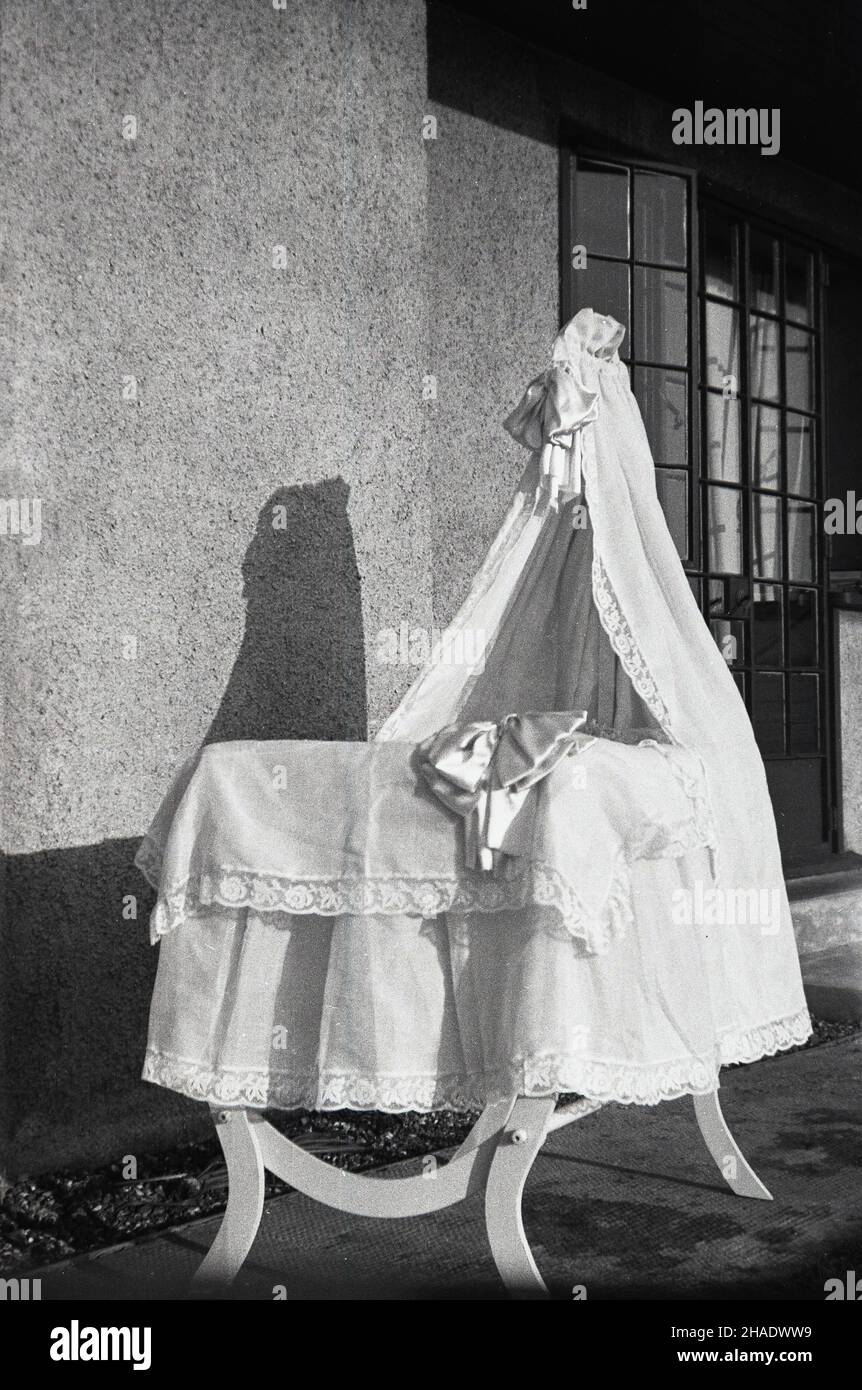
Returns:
<point x="833" y="982"/>
<point x="827" y="920"/>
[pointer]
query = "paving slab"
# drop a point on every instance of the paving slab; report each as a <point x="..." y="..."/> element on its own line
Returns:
<point x="625" y="1204"/>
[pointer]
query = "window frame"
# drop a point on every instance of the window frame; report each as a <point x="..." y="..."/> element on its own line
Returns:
<point x="568" y="170"/>
<point x="704" y="194"/>
<point x="750" y="222"/>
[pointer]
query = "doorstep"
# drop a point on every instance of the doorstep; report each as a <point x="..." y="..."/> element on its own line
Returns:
<point x="827" y="919"/>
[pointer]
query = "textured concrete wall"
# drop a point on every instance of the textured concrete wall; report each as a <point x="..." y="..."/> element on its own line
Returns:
<point x="161" y="608"/>
<point x="849" y="644"/>
<point x="493" y="232"/>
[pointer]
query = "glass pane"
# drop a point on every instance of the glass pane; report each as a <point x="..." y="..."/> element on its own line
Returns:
<point x="663" y="399"/>
<point x="739" y="677"/>
<point x="604" y="286"/>
<point x="766" y="536"/>
<point x="802" y="617"/>
<point x="660" y="218"/>
<point x="661" y="321"/>
<point x="765" y="447"/>
<point x="719" y="246"/>
<point x="601" y="210"/>
<point x="768" y="634"/>
<point x="800" y="454"/>
<point x="801" y="557"/>
<point x="763" y="272"/>
<point x="722" y="346"/>
<point x="738" y="597"/>
<point x="768" y="713"/>
<point x="717" y="599"/>
<point x="799" y="285"/>
<point x="730" y="639"/>
<point x="799" y="348"/>
<point x="804" y="714"/>
<point x="672" y="489"/>
<point x="695" y="585"/>
<point x="763" y="353"/>
<point x="722" y="438"/>
<point x="724" y="528"/>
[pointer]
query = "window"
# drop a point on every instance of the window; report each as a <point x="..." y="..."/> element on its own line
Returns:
<point x="723" y="345"/>
<point x="634" y="223"/>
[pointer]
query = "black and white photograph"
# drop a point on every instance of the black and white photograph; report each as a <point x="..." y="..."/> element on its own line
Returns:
<point x="432" y="669"/>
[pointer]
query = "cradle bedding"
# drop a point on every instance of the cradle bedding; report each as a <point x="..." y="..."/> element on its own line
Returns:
<point x="323" y="940"/>
<point x="324" y="945"/>
<point x="333" y="828"/>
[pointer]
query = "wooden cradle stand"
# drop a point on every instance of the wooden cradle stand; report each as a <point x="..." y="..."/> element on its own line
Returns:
<point x="496" y="1157"/>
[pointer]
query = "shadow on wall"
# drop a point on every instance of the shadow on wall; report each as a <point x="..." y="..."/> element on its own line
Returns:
<point x="75" y="974"/>
<point x="76" y="981"/>
<point x="483" y="72"/>
<point x="300" y="672"/>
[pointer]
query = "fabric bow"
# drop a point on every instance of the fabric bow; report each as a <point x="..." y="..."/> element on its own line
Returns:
<point x="483" y="772"/>
<point x="550" y="418"/>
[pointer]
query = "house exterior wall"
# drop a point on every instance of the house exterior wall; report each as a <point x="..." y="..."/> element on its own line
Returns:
<point x="353" y="390"/>
<point x="161" y="607"/>
<point x="848" y="641"/>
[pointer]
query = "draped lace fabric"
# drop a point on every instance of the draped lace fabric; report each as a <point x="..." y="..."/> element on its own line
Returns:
<point x="328" y="829"/>
<point x="322" y="944"/>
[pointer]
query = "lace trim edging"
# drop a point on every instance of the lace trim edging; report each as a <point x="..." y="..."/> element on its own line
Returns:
<point x="540" y="886"/>
<point x="622" y="641"/>
<point x="621" y="1083"/>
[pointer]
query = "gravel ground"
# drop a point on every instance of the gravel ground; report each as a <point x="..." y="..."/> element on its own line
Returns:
<point x="55" y="1216"/>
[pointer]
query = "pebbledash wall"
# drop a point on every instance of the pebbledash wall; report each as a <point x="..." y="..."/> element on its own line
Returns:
<point x="262" y="270"/>
<point x="246" y="278"/>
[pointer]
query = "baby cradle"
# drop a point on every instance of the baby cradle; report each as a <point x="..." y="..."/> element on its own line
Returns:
<point x="499" y="899"/>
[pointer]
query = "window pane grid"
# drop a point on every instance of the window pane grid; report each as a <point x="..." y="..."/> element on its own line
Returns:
<point x="748" y="486"/>
<point x="638" y="270"/>
<point x="774" y="431"/>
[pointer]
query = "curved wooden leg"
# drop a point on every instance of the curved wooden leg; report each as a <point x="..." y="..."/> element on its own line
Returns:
<point x="237" y="1132"/>
<point x="513" y="1158"/>
<point x="730" y="1161"/>
<point x="369" y="1195"/>
<point x="489" y="1123"/>
<point x="498" y="1153"/>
